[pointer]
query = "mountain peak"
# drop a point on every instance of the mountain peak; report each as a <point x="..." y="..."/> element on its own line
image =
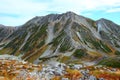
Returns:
<point x="70" y="13"/>
<point x="52" y="17"/>
<point x="106" y="21"/>
<point x="103" y="19"/>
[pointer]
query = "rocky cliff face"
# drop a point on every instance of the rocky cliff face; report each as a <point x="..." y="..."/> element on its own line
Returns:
<point x="66" y="37"/>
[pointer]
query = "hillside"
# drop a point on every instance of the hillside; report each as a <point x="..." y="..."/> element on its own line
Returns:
<point x="67" y="38"/>
<point x="13" y="68"/>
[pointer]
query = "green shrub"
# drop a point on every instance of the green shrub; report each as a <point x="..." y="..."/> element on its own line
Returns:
<point x="117" y="53"/>
<point x="79" y="53"/>
<point x="111" y="62"/>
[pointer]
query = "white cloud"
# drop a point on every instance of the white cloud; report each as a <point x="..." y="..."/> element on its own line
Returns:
<point x="113" y="10"/>
<point x="12" y="21"/>
<point x="83" y="5"/>
<point x="30" y="8"/>
<point x="21" y="7"/>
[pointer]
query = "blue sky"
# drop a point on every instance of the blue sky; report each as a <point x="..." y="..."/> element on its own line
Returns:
<point x="17" y="12"/>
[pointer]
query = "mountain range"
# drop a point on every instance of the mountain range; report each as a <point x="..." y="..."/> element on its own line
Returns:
<point x="67" y="38"/>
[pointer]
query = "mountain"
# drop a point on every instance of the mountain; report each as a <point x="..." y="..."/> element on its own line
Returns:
<point x="5" y="31"/>
<point x="67" y="37"/>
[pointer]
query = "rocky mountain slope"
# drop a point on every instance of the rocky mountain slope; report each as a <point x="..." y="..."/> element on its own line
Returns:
<point x="13" y="68"/>
<point x="5" y="31"/>
<point x="67" y="37"/>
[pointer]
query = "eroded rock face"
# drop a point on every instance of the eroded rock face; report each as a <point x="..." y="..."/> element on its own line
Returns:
<point x="65" y="37"/>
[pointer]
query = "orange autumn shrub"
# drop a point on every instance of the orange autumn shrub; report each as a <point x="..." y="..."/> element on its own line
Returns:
<point x="3" y="78"/>
<point x="56" y="78"/>
<point x="72" y="74"/>
<point x="106" y="75"/>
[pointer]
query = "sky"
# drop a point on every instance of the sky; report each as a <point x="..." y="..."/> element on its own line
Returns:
<point x="17" y="12"/>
